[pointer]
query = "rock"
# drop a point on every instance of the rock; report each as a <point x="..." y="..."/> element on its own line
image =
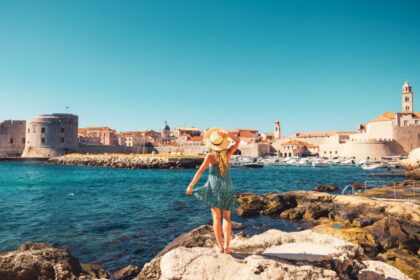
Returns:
<point x="412" y="161"/>
<point x="270" y="204"/>
<point x="413" y="174"/>
<point x="391" y="235"/>
<point x="40" y="261"/>
<point x="95" y="271"/>
<point x="202" y="236"/>
<point x="378" y="226"/>
<point x="126" y="273"/>
<point x="302" y="251"/>
<point x="376" y="270"/>
<point x="237" y="225"/>
<point x="273" y="254"/>
<point x="204" y="263"/>
<point x="325" y="188"/>
<point x="131" y="161"/>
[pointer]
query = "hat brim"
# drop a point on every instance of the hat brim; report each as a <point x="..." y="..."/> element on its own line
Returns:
<point x="223" y="146"/>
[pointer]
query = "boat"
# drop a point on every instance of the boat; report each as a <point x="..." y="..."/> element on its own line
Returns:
<point x="372" y="166"/>
<point x="320" y="164"/>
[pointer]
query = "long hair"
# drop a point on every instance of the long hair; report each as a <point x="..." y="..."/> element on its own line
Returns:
<point x="222" y="161"/>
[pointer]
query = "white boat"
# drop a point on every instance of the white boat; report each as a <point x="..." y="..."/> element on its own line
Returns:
<point x="320" y="164"/>
<point x="372" y="166"/>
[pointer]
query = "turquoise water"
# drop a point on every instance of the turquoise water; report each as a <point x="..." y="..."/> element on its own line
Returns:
<point x="116" y="217"/>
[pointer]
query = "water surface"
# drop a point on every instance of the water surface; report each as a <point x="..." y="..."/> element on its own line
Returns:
<point x="116" y="217"/>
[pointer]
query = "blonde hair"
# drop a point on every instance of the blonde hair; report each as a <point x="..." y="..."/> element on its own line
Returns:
<point x="222" y="161"/>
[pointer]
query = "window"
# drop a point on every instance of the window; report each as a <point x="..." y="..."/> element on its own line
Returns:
<point x="416" y="122"/>
<point x="43" y="140"/>
<point x="29" y="130"/>
<point x="11" y="140"/>
<point x="407" y="108"/>
<point x="407" y="99"/>
<point x="62" y="130"/>
<point x="336" y="152"/>
<point x="23" y="140"/>
<point x="43" y="130"/>
<point x="62" y="139"/>
<point x="405" y="123"/>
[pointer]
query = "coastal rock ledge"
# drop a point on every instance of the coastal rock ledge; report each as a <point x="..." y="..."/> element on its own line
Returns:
<point x="273" y="254"/>
<point x="133" y="161"/>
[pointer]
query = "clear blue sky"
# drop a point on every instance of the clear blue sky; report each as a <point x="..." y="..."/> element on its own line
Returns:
<point x="314" y="65"/>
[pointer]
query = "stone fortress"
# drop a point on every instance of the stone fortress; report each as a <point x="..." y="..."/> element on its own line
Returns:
<point x="43" y="137"/>
<point x="388" y="135"/>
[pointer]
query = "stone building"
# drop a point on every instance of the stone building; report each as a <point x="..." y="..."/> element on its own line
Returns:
<point x="51" y="135"/>
<point x="105" y="135"/>
<point x="131" y="138"/>
<point x="87" y="139"/>
<point x="12" y="138"/>
<point x="294" y="148"/>
<point x="191" y="131"/>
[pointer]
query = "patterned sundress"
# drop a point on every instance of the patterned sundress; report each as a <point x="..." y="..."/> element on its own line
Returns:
<point x="217" y="192"/>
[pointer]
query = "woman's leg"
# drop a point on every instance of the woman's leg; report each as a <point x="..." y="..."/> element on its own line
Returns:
<point x="217" y="227"/>
<point x="227" y="229"/>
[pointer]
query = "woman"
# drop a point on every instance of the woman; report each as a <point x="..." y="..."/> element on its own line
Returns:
<point x="218" y="192"/>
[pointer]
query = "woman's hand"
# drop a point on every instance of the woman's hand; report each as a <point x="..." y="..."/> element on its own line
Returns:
<point x="189" y="190"/>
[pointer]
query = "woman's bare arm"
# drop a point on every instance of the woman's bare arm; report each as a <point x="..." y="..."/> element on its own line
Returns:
<point x="233" y="149"/>
<point x="198" y="174"/>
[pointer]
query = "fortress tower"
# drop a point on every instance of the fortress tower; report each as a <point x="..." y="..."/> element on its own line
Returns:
<point x="407" y="98"/>
<point x="51" y="135"/>
<point x="277" y="130"/>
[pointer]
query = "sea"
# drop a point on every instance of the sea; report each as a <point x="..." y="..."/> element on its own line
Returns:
<point x="116" y="217"/>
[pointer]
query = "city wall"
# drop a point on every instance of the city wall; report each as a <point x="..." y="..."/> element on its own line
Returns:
<point x="408" y="137"/>
<point x="12" y="138"/>
<point x="371" y="150"/>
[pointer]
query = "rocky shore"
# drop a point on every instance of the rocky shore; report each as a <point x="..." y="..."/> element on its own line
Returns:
<point x="387" y="231"/>
<point x="129" y="161"/>
<point x="273" y="254"/>
<point x="353" y="238"/>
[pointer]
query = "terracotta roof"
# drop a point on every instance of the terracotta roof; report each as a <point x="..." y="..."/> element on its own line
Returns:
<point x="196" y="138"/>
<point x="247" y="134"/>
<point x="384" y="117"/>
<point x="268" y="133"/>
<point x="246" y="129"/>
<point x="299" y="143"/>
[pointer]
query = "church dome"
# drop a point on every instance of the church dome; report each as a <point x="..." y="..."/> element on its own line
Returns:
<point x="166" y="126"/>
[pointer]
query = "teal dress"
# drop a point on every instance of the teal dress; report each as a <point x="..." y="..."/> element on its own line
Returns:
<point x="217" y="192"/>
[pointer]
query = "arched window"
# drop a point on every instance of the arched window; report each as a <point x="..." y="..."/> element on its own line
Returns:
<point x="407" y="99"/>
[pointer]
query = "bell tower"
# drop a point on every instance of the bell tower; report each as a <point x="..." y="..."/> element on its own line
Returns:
<point x="277" y="130"/>
<point x="407" y="98"/>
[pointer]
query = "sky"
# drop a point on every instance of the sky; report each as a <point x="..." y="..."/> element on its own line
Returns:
<point x="131" y="65"/>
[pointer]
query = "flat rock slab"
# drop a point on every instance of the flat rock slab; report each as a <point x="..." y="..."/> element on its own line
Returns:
<point x="302" y="251"/>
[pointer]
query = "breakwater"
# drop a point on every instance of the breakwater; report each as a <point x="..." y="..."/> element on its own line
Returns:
<point x="130" y="161"/>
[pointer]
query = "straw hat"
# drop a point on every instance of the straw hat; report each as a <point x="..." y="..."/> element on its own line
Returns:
<point x="216" y="141"/>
